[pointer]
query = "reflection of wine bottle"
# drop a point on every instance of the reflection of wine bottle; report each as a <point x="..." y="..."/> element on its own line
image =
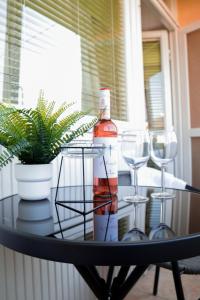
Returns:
<point x="105" y="180"/>
<point x="105" y="218"/>
<point x="105" y="132"/>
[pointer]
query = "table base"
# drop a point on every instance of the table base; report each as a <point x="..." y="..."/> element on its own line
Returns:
<point x="112" y="288"/>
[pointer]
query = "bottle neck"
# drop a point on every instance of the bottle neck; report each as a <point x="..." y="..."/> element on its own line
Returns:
<point x="104" y="104"/>
<point x="104" y="114"/>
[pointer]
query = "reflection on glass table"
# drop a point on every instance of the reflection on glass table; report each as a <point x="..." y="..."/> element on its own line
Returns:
<point x="162" y="230"/>
<point x="135" y="234"/>
<point x="35" y="217"/>
<point x="12" y="208"/>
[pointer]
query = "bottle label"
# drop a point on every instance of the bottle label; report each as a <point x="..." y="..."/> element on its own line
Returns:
<point x="110" y="158"/>
<point x="100" y="225"/>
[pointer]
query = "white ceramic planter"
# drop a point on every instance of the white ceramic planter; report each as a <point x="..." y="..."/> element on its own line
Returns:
<point x="34" y="181"/>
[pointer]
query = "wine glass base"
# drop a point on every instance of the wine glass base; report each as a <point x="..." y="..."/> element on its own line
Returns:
<point x="135" y="199"/>
<point x="163" y="195"/>
<point x="162" y="231"/>
<point x="135" y="235"/>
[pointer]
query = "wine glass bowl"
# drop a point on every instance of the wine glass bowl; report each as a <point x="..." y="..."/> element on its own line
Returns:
<point x="135" y="148"/>
<point x="163" y="146"/>
<point x="163" y="151"/>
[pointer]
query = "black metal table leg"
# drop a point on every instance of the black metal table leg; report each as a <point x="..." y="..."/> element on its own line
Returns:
<point x="94" y="281"/>
<point x="177" y="281"/>
<point x="105" y="290"/>
<point x="111" y="290"/>
<point x="118" y="293"/>
<point x="120" y="278"/>
<point x="110" y="277"/>
<point x="156" y="279"/>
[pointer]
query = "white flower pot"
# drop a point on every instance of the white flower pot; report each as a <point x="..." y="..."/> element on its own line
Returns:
<point x="34" y="181"/>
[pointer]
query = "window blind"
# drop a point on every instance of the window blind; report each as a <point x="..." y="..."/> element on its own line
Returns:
<point x="80" y="43"/>
<point x="10" y="33"/>
<point x="153" y="81"/>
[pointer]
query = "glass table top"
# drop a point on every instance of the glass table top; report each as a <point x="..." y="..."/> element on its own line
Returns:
<point x="40" y="217"/>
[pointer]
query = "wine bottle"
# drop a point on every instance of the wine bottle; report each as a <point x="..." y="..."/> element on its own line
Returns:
<point x="105" y="132"/>
<point x="105" y="174"/>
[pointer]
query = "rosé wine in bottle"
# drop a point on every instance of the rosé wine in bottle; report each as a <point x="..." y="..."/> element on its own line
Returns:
<point x="105" y="132"/>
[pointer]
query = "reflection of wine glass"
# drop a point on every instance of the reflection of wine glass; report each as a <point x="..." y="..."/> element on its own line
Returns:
<point x="135" y="151"/>
<point x="163" y="150"/>
<point x="162" y="231"/>
<point x="135" y="234"/>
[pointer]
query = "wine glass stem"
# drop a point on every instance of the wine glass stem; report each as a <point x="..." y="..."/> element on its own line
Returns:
<point x="163" y="178"/>
<point x="135" y="216"/>
<point x="162" y="211"/>
<point x="136" y="181"/>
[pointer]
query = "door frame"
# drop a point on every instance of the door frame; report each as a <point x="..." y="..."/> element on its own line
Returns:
<point x="188" y="132"/>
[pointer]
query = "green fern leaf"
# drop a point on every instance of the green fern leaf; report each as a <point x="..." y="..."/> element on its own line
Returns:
<point x="36" y="135"/>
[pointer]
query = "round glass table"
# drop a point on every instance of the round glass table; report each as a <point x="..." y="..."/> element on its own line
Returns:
<point x="32" y="228"/>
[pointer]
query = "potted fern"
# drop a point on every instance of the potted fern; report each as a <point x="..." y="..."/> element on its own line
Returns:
<point x="34" y="136"/>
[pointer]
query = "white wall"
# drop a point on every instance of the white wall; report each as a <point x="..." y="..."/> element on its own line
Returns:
<point x="27" y="278"/>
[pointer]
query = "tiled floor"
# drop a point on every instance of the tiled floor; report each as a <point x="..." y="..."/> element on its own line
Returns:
<point x="166" y="291"/>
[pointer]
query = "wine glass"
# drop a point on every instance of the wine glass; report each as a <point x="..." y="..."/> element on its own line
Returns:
<point x="163" y="151"/>
<point x="135" y="151"/>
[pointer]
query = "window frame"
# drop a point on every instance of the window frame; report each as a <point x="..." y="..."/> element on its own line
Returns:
<point x="134" y="67"/>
